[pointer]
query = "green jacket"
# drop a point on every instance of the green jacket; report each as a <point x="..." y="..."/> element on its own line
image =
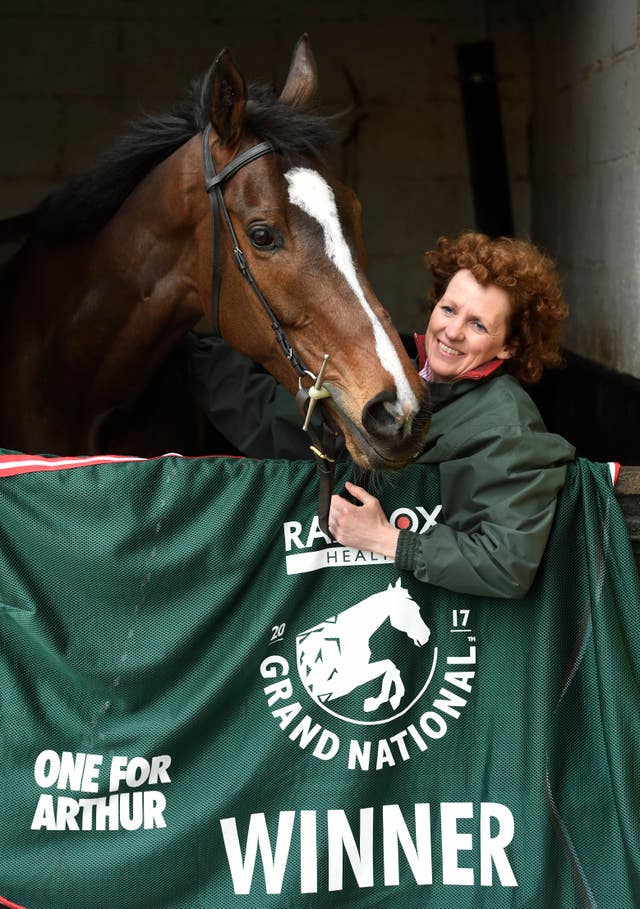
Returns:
<point x="500" y="475"/>
<point x="500" y="470"/>
<point x="251" y="410"/>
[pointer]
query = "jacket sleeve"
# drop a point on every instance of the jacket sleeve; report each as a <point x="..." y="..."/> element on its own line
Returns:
<point x="256" y="414"/>
<point x="498" y="503"/>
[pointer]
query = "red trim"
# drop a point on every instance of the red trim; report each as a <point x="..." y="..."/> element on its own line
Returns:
<point x="12" y="465"/>
<point x="482" y="371"/>
<point x="5" y="902"/>
<point x="614" y="467"/>
<point x="421" y="349"/>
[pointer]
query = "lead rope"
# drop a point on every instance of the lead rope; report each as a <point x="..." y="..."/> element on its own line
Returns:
<point x="322" y="449"/>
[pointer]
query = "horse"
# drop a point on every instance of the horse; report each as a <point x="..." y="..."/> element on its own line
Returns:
<point x="334" y="656"/>
<point x="119" y="265"/>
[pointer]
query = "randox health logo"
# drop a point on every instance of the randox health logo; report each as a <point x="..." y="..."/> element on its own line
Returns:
<point x="303" y="554"/>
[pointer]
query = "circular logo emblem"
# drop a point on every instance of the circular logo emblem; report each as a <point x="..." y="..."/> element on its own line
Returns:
<point x="360" y="665"/>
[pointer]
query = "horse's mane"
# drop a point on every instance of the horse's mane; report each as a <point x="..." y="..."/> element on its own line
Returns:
<point x="87" y="202"/>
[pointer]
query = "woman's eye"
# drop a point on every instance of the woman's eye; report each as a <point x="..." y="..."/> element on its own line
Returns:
<point x="479" y="326"/>
<point x="446" y="308"/>
<point x="262" y="237"/>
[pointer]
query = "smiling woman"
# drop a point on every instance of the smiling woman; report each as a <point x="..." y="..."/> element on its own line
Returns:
<point x="468" y="327"/>
<point x="497" y="318"/>
<point x="497" y="315"/>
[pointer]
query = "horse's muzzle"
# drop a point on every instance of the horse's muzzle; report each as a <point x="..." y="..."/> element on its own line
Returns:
<point x="389" y="425"/>
<point x="387" y="437"/>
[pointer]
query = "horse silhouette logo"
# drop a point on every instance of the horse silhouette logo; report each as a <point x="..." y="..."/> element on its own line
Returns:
<point x="334" y="657"/>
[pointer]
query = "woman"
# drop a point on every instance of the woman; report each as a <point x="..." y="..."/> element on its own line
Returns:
<point x="496" y="321"/>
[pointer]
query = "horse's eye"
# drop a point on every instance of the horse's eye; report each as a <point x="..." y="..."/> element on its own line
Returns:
<point x="262" y="237"/>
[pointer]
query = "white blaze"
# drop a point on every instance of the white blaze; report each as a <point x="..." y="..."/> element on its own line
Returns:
<point x="309" y="192"/>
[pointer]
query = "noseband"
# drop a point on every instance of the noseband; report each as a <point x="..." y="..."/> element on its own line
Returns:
<point x="307" y="397"/>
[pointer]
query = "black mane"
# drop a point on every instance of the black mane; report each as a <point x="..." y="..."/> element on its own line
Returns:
<point x="82" y="207"/>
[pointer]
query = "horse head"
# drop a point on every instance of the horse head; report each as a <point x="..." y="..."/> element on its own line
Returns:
<point x="405" y="614"/>
<point x="300" y="231"/>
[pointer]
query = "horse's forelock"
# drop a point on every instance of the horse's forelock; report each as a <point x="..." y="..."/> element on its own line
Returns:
<point x="296" y="134"/>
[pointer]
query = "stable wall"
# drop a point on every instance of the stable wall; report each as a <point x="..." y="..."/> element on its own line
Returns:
<point x="72" y="73"/>
<point x="586" y="171"/>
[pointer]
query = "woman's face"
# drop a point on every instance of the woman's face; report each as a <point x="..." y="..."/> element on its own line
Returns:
<point x="468" y="327"/>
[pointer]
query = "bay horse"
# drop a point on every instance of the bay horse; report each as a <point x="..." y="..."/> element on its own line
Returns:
<point x="118" y="266"/>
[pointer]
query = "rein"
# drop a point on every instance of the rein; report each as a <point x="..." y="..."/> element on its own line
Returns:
<point x="323" y="449"/>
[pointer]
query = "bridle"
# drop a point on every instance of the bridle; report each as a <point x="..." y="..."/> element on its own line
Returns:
<point x="323" y="449"/>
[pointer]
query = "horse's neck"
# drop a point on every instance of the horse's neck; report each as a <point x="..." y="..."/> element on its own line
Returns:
<point x="149" y="251"/>
<point x="88" y="324"/>
<point x="368" y="615"/>
<point x="132" y="291"/>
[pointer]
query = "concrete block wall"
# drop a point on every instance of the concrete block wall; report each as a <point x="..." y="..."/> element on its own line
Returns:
<point x="586" y="170"/>
<point x="74" y="71"/>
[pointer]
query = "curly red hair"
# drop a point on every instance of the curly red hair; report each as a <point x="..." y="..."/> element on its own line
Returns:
<point x="531" y="280"/>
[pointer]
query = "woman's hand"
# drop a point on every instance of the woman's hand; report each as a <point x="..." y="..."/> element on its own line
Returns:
<point x="362" y="526"/>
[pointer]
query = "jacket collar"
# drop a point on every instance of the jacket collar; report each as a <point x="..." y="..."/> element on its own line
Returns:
<point x="480" y="372"/>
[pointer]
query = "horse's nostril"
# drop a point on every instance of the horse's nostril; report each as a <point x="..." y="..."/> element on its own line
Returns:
<point x="380" y="415"/>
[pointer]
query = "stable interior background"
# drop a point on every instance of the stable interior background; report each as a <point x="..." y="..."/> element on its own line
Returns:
<point x="552" y="156"/>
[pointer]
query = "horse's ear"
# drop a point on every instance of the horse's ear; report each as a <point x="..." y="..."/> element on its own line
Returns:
<point x="399" y="583"/>
<point x="227" y="97"/>
<point x="302" y="82"/>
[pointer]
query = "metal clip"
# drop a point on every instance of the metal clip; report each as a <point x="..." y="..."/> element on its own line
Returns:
<point x="240" y="259"/>
<point x="321" y="454"/>
<point x="317" y="392"/>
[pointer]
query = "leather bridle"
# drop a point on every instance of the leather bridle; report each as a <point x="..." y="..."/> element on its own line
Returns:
<point x="323" y="449"/>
